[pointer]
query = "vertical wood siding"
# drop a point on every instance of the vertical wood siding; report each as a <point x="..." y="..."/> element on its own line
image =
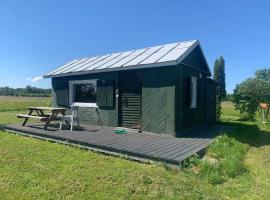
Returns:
<point x="158" y="101"/>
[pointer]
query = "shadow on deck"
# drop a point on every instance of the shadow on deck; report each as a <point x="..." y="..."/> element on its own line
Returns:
<point x="141" y="147"/>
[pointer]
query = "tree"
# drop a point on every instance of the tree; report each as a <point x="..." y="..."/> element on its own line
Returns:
<point x="219" y="76"/>
<point x="263" y="74"/>
<point x="250" y="93"/>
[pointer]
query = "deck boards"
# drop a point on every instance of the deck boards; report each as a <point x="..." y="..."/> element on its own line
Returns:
<point x="139" y="145"/>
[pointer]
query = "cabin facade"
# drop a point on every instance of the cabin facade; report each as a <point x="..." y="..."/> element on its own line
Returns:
<point x="164" y="89"/>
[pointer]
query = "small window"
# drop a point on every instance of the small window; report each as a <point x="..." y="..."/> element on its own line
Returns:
<point x="193" y="92"/>
<point x="83" y="93"/>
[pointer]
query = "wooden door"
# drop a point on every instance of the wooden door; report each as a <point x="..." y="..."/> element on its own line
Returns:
<point x="130" y="100"/>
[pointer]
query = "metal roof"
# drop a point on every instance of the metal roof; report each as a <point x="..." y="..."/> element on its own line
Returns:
<point x="157" y="56"/>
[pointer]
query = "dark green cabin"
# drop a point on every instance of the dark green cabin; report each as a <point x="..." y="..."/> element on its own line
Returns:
<point x="164" y="89"/>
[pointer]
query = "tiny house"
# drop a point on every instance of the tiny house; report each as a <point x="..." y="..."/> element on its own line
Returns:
<point x="163" y="89"/>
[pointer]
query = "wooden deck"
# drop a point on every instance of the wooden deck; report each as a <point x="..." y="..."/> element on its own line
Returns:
<point x="137" y="146"/>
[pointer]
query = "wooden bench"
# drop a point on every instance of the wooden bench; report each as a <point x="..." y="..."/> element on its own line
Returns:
<point x="43" y="118"/>
<point x="40" y="115"/>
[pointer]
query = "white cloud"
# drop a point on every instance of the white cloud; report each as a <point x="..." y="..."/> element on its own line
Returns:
<point x="35" y="79"/>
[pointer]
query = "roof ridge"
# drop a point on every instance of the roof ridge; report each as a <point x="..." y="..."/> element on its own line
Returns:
<point x="186" y="41"/>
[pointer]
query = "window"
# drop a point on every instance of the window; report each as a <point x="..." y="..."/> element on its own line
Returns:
<point x="193" y="92"/>
<point x="83" y="93"/>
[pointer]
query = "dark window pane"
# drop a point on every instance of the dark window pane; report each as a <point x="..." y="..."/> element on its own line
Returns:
<point x="85" y="93"/>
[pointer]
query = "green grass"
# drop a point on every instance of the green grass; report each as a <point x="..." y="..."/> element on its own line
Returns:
<point x="21" y="103"/>
<point x="35" y="169"/>
<point x="228" y="111"/>
<point x="10" y="117"/>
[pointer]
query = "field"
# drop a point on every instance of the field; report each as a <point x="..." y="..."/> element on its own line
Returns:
<point x="10" y="106"/>
<point x="21" y="103"/>
<point x="34" y="169"/>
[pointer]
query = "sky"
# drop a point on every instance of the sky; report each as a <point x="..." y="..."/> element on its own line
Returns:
<point x="39" y="36"/>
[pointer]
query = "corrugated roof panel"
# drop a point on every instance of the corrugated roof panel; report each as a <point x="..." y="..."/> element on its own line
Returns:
<point x="159" y="54"/>
<point x="147" y="57"/>
<point x="173" y="55"/>
<point x="63" y="66"/>
<point x="128" y="58"/>
<point x="177" y="52"/>
<point x="116" y="60"/>
<point x="66" y="69"/>
<point x="104" y="61"/>
<point x="84" y="64"/>
<point x="92" y="63"/>
<point x="143" y="56"/>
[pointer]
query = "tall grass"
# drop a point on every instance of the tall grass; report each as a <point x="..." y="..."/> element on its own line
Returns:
<point x="224" y="159"/>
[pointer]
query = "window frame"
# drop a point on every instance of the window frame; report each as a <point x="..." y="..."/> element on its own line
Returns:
<point x="193" y="95"/>
<point x="71" y="92"/>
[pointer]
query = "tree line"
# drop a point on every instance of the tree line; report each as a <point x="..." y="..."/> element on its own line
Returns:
<point x="28" y="91"/>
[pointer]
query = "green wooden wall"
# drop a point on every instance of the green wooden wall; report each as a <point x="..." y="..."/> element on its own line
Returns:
<point x="190" y="117"/>
<point x="108" y="116"/>
<point x="158" y="99"/>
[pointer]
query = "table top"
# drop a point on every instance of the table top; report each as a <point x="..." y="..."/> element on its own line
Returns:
<point x="46" y="108"/>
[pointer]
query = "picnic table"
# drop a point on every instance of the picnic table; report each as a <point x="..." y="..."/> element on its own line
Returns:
<point x="39" y="113"/>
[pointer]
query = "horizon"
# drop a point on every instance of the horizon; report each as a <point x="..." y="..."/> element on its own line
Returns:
<point x="38" y="37"/>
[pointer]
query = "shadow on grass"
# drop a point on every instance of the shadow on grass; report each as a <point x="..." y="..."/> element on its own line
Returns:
<point x="248" y="133"/>
<point x="244" y="119"/>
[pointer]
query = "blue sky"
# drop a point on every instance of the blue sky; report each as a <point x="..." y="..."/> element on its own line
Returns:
<point x="38" y="36"/>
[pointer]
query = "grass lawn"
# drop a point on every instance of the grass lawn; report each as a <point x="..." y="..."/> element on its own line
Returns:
<point x="21" y="103"/>
<point x="35" y="169"/>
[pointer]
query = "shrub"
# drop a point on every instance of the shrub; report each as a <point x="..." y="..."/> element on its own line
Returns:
<point x="248" y="94"/>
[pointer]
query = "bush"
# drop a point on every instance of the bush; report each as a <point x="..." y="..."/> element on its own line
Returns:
<point x="249" y="94"/>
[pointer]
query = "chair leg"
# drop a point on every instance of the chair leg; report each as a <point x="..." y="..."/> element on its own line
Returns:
<point x="71" y="127"/>
<point x="61" y="125"/>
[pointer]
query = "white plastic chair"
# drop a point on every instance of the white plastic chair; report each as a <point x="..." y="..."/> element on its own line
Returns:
<point x="71" y="118"/>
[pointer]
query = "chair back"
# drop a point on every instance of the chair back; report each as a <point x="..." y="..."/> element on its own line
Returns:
<point x="74" y="110"/>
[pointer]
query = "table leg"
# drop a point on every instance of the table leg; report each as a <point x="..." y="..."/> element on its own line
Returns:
<point x="26" y="119"/>
<point x="48" y="121"/>
<point x="51" y="118"/>
<point x="42" y="113"/>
